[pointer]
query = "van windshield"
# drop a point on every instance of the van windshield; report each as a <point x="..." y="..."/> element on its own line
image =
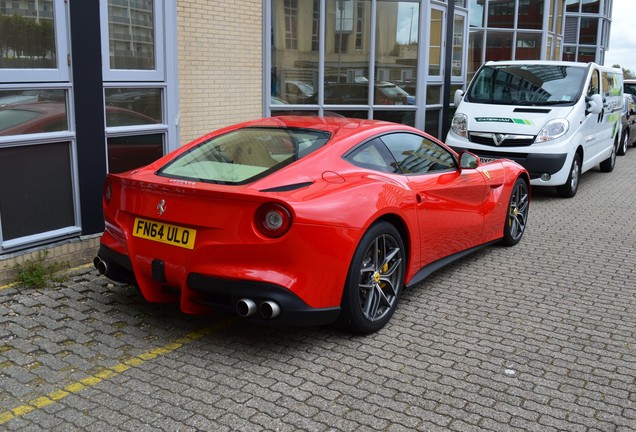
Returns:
<point x="533" y="85"/>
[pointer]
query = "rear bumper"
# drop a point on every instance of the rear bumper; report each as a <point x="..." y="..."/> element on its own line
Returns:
<point x="203" y="292"/>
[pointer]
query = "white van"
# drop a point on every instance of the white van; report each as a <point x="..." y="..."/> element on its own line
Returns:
<point x="557" y="119"/>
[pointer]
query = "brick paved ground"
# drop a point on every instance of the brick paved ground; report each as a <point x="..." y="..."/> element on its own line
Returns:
<point x="539" y="337"/>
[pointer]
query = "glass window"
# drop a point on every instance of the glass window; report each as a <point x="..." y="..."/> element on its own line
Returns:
<point x="403" y="117"/>
<point x="133" y="106"/>
<point x="244" y="155"/>
<point x="501" y="13"/>
<point x="396" y="53"/>
<point x="572" y="5"/>
<point x="458" y="45"/>
<point x="527" y="85"/>
<point x="475" y="44"/>
<point x="294" y="73"/>
<point x="435" y="57"/>
<point x="528" y="46"/>
<point x="433" y="95"/>
<point x="477" y="17"/>
<point x="131" y="34"/>
<point x="588" y="31"/>
<point x="374" y="156"/>
<point x="499" y="46"/>
<point x="590" y="6"/>
<point x="44" y="201"/>
<point x="32" y="111"/>
<point x="432" y="122"/>
<point x="291" y="24"/>
<point x="130" y="152"/>
<point x="33" y="41"/>
<point x="587" y="54"/>
<point x="27" y="36"/>
<point x="530" y="15"/>
<point x="416" y="154"/>
<point x="559" y="18"/>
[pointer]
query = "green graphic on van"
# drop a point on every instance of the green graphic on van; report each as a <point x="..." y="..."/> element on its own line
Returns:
<point x="503" y="120"/>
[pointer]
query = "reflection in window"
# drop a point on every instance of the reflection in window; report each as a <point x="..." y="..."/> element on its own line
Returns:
<point x="435" y="42"/>
<point x="131" y="34"/>
<point x="403" y="117"/>
<point x="501" y="14"/>
<point x="458" y="46"/>
<point x="32" y="111"/>
<point x="396" y="53"/>
<point x="528" y="46"/>
<point x="433" y="95"/>
<point x="132" y="106"/>
<point x="418" y="155"/>
<point x="294" y="56"/>
<point x="589" y="31"/>
<point x="130" y="152"/>
<point x="44" y="200"/>
<point x="530" y="15"/>
<point x="573" y="5"/>
<point x="27" y="35"/>
<point x="476" y="17"/>
<point x="291" y="24"/>
<point x="499" y="46"/>
<point x="432" y="123"/>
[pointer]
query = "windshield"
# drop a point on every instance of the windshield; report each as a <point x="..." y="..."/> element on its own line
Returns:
<point x="630" y="87"/>
<point x="244" y="155"/>
<point x="534" y="85"/>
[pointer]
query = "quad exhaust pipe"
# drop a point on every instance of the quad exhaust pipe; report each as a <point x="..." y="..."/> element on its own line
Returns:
<point x="268" y="309"/>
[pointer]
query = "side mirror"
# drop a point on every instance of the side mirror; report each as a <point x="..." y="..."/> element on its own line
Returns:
<point x="467" y="160"/>
<point x="458" y="96"/>
<point x="594" y="104"/>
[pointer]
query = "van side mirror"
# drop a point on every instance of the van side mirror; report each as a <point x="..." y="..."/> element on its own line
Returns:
<point x="467" y="160"/>
<point x="594" y="104"/>
<point x="458" y="96"/>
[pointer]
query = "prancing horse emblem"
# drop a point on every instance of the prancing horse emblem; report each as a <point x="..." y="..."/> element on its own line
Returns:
<point x="161" y="207"/>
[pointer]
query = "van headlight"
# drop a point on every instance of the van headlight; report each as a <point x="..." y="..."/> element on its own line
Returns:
<point x="459" y="125"/>
<point x="552" y="130"/>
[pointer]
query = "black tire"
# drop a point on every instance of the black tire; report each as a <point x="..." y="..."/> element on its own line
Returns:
<point x="517" y="215"/>
<point x="622" y="146"/>
<point x="568" y="190"/>
<point x="608" y="164"/>
<point x="375" y="280"/>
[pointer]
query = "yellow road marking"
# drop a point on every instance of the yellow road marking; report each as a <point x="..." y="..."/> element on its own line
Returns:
<point x="108" y="372"/>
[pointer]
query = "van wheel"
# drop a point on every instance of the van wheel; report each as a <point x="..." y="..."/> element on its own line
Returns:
<point x="568" y="190"/>
<point x="622" y="147"/>
<point x="608" y="164"/>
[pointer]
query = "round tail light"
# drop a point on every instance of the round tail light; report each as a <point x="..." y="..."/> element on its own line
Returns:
<point x="273" y="220"/>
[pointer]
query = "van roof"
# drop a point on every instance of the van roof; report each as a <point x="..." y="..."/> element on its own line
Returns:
<point x="550" y="62"/>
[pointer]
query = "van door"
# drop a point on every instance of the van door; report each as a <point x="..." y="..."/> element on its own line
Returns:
<point x="592" y="124"/>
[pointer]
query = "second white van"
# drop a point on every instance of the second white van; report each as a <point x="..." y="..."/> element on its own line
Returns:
<point x="557" y="119"/>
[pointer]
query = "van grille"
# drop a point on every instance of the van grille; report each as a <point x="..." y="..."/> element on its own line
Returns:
<point x="500" y="140"/>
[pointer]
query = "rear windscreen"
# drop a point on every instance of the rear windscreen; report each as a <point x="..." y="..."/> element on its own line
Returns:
<point x="244" y="155"/>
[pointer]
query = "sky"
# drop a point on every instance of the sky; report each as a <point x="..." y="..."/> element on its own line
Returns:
<point x="622" y="43"/>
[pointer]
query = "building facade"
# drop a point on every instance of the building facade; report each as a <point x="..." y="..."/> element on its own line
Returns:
<point x="88" y="88"/>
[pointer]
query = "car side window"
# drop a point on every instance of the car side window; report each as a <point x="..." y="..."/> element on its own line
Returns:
<point x="373" y="155"/>
<point x="416" y="154"/>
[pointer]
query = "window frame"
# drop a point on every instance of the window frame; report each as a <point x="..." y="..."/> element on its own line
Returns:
<point x="156" y="74"/>
<point x="62" y="48"/>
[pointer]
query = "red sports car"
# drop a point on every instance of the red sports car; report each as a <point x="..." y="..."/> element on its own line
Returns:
<point x="305" y="220"/>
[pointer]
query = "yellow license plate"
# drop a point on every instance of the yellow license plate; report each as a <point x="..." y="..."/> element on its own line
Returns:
<point x="165" y="233"/>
